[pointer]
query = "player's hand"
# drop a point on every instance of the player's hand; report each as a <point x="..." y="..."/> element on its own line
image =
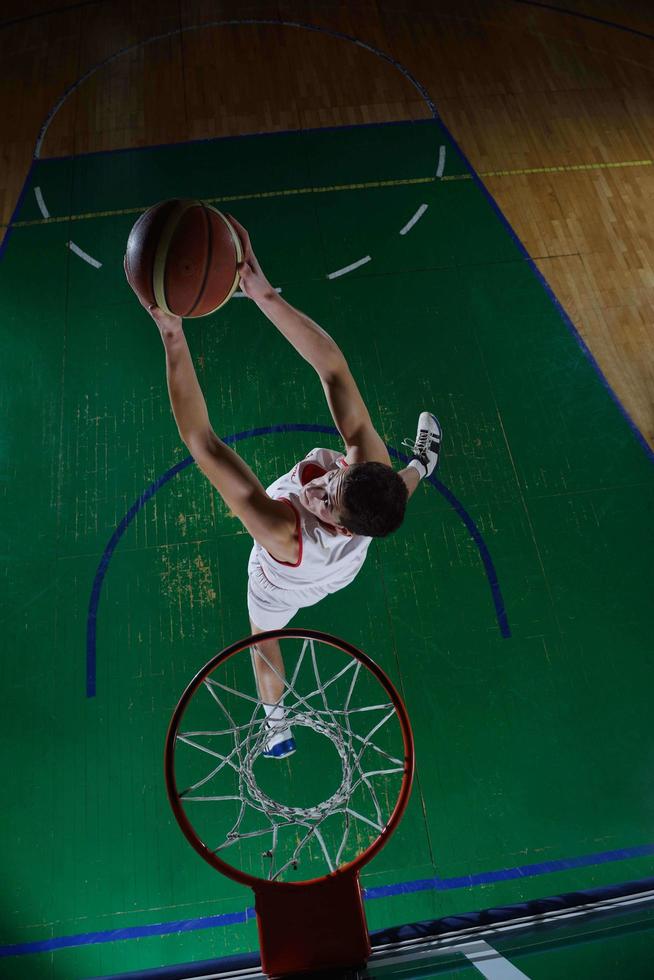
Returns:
<point x="167" y="322"/>
<point x="253" y="281"/>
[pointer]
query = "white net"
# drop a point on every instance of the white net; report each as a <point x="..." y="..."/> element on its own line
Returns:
<point x="303" y="816"/>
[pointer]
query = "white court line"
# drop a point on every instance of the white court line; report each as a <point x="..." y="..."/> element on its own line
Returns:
<point x="71" y="245"/>
<point x="87" y="258"/>
<point x="348" y="268"/>
<point x="491" y="964"/>
<point x="239" y="295"/>
<point x="417" y="216"/>
<point x="41" y="203"/>
<point x="482" y="956"/>
<point x="441" y="162"/>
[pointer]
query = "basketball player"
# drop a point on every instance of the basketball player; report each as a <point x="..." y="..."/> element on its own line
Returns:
<point x="311" y="527"/>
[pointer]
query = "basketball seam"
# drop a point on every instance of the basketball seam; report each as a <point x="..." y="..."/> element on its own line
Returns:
<point x="161" y="253"/>
<point x="239" y="257"/>
<point x="207" y="264"/>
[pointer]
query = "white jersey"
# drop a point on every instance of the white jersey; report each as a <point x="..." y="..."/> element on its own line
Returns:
<point x="328" y="560"/>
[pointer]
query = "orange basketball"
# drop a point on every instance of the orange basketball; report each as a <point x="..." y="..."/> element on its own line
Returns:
<point x="181" y="256"/>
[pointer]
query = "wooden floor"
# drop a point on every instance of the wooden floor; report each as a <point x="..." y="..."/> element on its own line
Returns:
<point x="553" y="107"/>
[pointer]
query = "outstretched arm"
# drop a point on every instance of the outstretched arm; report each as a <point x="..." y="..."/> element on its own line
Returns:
<point x="314" y="344"/>
<point x="186" y="398"/>
<point x="270" y="522"/>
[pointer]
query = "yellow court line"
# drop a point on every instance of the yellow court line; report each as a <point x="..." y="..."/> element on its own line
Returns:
<point x="367" y="185"/>
<point x="291" y="192"/>
<point x="571" y="168"/>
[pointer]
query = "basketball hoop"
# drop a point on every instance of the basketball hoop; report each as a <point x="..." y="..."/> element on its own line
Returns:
<point x="302" y="858"/>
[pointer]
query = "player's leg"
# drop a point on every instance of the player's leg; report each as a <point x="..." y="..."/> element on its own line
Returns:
<point x="269" y="673"/>
<point x="411" y="478"/>
<point x="268" y="668"/>
<point x="269" y="610"/>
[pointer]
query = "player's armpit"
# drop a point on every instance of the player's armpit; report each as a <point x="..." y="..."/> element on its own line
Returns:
<point x="273" y="524"/>
<point x="270" y="522"/>
<point x="363" y="442"/>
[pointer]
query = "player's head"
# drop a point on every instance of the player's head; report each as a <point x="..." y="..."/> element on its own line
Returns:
<point x="365" y="498"/>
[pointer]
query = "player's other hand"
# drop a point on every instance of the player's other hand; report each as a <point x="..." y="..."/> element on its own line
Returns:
<point x="253" y="281"/>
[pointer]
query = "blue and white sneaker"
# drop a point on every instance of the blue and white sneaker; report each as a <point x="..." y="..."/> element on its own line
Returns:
<point x="427" y="446"/>
<point x="280" y="743"/>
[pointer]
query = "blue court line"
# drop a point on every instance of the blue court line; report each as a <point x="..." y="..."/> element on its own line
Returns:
<point x="276" y="22"/>
<point x="133" y="932"/>
<point x="581" y="16"/>
<point x="244" y="136"/>
<point x="101" y="571"/>
<point x="94" y="601"/>
<point x="549" y="291"/>
<point x="369" y="894"/>
<point x="19" y="204"/>
<point x="47" y="13"/>
<point x="475" y="534"/>
<point x="508" y="874"/>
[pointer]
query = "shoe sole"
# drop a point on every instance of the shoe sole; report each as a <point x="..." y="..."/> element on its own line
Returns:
<point x="285" y="749"/>
<point x="440" y="448"/>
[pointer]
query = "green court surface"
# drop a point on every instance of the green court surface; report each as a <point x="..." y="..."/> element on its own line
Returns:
<point x="512" y="609"/>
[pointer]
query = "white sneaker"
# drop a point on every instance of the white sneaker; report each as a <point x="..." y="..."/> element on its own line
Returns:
<point x="280" y="743"/>
<point x="426" y="449"/>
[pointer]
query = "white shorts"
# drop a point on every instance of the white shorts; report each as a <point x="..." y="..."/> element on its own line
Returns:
<point x="270" y="607"/>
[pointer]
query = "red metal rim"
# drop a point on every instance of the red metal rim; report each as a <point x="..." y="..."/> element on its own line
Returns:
<point x="169" y="758"/>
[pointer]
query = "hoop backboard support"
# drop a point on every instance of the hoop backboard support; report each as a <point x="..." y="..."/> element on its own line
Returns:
<point x="316" y="926"/>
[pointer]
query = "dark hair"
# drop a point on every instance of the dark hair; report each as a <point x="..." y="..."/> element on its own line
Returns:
<point x="374" y="499"/>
